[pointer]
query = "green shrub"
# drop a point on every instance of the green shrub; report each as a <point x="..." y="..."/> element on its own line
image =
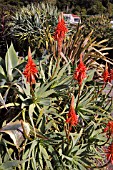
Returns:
<point x="33" y="25"/>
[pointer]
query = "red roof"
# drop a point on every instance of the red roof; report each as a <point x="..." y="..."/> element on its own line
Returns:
<point x="75" y="16"/>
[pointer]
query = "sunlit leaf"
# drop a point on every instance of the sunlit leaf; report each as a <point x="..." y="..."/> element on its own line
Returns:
<point x="15" y="131"/>
<point x="11" y="61"/>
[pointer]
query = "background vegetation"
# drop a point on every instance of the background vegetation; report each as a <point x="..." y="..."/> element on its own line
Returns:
<point x="93" y="18"/>
<point x="87" y="7"/>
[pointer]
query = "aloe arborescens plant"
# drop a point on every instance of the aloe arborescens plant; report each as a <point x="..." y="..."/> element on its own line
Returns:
<point x="53" y="133"/>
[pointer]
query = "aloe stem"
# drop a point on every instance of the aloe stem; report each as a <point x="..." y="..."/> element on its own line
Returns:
<point x="57" y="63"/>
<point x="78" y="96"/>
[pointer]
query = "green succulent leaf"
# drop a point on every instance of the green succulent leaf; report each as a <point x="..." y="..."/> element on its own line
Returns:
<point x="9" y="165"/>
<point x="11" y="61"/>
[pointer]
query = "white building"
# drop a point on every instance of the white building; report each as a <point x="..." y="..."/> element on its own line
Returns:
<point x="72" y="19"/>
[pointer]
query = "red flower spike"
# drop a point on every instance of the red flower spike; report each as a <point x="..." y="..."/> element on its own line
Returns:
<point x="72" y="117"/>
<point x="109" y="127"/>
<point x="111" y="74"/>
<point x="106" y="75"/>
<point x="30" y="70"/>
<point x="80" y="71"/>
<point x="110" y="153"/>
<point x="60" y="32"/>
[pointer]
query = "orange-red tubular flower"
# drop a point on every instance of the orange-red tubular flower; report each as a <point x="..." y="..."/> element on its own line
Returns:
<point x="80" y="72"/>
<point x="106" y="74"/>
<point x="72" y="117"/>
<point x="110" y="153"/>
<point x="30" y="70"/>
<point x="109" y="128"/>
<point x="60" y="32"/>
<point x="111" y="74"/>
